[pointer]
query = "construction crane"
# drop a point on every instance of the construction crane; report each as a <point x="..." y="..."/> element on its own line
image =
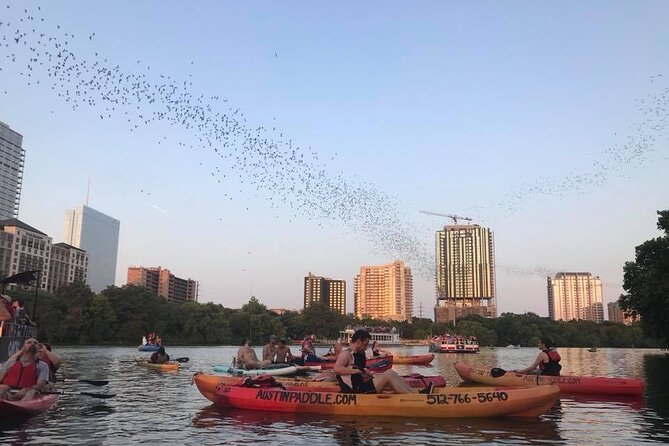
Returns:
<point x="455" y="218"/>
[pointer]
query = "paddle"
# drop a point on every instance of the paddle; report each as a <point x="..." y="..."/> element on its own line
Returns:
<point x="92" y="395"/>
<point x="92" y="382"/>
<point x="184" y="359"/>
<point x="496" y="372"/>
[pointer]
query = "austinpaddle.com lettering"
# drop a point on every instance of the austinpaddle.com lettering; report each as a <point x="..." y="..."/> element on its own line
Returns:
<point x="552" y="379"/>
<point x="305" y="397"/>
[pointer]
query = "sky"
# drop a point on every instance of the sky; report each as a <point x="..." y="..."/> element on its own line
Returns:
<point x="245" y="144"/>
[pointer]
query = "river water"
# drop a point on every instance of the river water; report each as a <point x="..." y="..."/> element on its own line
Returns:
<point x="152" y="406"/>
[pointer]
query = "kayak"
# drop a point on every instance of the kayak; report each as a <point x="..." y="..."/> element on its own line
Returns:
<point x="449" y="402"/>
<point x="593" y="385"/>
<point x="206" y="383"/>
<point x="29" y="408"/>
<point x="378" y="364"/>
<point x="169" y="366"/>
<point x="291" y="370"/>
<point x="415" y="359"/>
<point x="148" y="348"/>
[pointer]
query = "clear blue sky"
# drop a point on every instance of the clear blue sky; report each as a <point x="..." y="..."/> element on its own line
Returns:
<point x="546" y="122"/>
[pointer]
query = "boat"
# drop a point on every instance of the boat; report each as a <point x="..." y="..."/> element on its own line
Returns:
<point x="449" y="402"/>
<point x="593" y="385"/>
<point x="377" y="364"/>
<point x="170" y="366"/>
<point x="207" y="383"/>
<point x="20" y="409"/>
<point x="149" y="348"/>
<point x="592" y="349"/>
<point x="454" y="345"/>
<point x="381" y="335"/>
<point x="12" y="337"/>
<point x="415" y="359"/>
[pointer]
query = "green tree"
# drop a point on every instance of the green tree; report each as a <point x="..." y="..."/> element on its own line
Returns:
<point x="646" y="282"/>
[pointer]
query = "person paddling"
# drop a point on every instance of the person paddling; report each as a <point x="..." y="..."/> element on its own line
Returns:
<point x="160" y="357"/>
<point x="26" y="372"/>
<point x="353" y="377"/>
<point x="548" y="360"/>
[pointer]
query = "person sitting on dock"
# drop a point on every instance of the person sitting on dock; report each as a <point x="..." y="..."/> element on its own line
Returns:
<point x="548" y="360"/>
<point x="353" y="377"/>
<point x="160" y="357"/>
<point x="247" y="358"/>
<point x="26" y="372"/>
<point x="269" y="350"/>
<point x="283" y="353"/>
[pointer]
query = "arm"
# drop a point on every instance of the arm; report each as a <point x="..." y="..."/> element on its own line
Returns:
<point x="4" y="314"/>
<point x="540" y="358"/>
<point x="55" y="360"/>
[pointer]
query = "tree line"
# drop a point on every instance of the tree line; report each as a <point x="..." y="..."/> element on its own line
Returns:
<point x="122" y="315"/>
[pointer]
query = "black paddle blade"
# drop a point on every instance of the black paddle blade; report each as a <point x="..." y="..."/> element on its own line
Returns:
<point x="181" y="359"/>
<point x="497" y="372"/>
<point x="92" y="382"/>
<point x="103" y="396"/>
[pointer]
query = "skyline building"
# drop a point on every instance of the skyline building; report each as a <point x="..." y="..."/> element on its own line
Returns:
<point x="465" y="272"/>
<point x="331" y="292"/>
<point x="575" y="295"/>
<point x="97" y="234"/>
<point x="162" y="283"/>
<point x="384" y="292"/>
<point x="24" y="248"/>
<point x="616" y="314"/>
<point x="12" y="157"/>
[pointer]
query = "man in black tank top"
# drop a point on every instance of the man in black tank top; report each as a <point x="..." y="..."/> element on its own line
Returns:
<point x="353" y="377"/>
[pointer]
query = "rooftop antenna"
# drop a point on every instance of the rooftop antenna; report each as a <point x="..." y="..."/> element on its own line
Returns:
<point x="88" y="190"/>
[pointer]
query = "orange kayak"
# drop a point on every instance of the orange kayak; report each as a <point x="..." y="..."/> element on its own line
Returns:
<point x="593" y="385"/>
<point x="450" y="402"/>
<point x="416" y="359"/>
<point x="206" y="384"/>
<point x="169" y="366"/>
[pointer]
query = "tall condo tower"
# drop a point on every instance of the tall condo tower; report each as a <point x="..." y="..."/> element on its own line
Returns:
<point x="331" y="292"/>
<point x="575" y="296"/>
<point x="97" y="234"/>
<point x="465" y="272"/>
<point x="384" y="292"/>
<point x="12" y="157"/>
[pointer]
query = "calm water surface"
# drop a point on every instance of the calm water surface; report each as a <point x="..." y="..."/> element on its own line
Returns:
<point x="152" y="406"/>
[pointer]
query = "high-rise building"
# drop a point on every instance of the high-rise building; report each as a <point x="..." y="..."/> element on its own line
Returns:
<point x="331" y="292"/>
<point x="616" y="314"/>
<point x="97" y="234"/>
<point x="465" y="272"/>
<point x="164" y="284"/>
<point x="24" y="248"/>
<point x="575" y="296"/>
<point x="12" y="157"/>
<point x="384" y="292"/>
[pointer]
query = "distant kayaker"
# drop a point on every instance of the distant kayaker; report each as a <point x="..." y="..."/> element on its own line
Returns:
<point x="283" y="353"/>
<point x="269" y="350"/>
<point x="353" y="377"/>
<point x="308" y="350"/>
<point x="160" y="357"/>
<point x="376" y="351"/>
<point x="26" y="372"/>
<point x="246" y="357"/>
<point x="548" y="361"/>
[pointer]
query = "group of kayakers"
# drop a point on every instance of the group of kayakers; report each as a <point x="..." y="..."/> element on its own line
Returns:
<point x="152" y="339"/>
<point x="32" y="369"/>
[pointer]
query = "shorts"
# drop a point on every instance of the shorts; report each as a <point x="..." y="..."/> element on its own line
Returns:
<point x="365" y="387"/>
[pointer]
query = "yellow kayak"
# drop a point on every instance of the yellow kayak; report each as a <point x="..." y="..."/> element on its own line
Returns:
<point x="170" y="366"/>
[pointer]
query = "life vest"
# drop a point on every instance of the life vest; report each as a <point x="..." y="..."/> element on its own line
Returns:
<point x="552" y="367"/>
<point x="349" y="383"/>
<point x="21" y="376"/>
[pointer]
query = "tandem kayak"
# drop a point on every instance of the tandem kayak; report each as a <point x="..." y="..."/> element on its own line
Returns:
<point x="169" y="366"/>
<point x="415" y="359"/>
<point x="449" y="402"/>
<point x="206" y="383"/>
<point x="378" y="364"/>
<point x="593" y="385"/>
<point x="37" y="405"/>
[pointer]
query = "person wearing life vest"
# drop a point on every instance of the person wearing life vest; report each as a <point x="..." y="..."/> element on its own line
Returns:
<point x="26" y="373"/>
<point x="353" y="377"/>
<point x="547" y="362"/>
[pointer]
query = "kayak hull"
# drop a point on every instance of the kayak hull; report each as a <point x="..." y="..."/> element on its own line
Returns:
<point x="169" y="366"/>
<point x="29" y="408"/>
<point x="450" y="402"/>
<point x="283" y="371"/>
<point x="415" y="360"/>
<point x="378" y="364"/>
<point x="592" y="385"/>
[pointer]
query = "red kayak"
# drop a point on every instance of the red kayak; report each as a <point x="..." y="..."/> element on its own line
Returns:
<point x="28" y="408"/>
<point x="593" y="385"/>
<point x="379" y="364"/>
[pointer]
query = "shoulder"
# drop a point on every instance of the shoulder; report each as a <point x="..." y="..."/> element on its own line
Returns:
<point x="42" y="366"/>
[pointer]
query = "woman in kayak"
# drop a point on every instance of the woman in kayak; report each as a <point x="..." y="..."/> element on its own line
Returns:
<point x="548" y="360"/>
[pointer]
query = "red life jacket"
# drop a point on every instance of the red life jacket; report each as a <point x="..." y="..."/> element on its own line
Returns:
<point x="552" y="367"/>
<point x="20" y="376"/>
